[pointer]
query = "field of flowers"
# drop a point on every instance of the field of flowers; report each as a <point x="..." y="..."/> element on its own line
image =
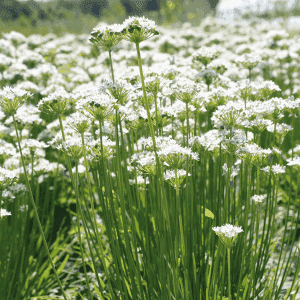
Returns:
<point x="146" y="162"/>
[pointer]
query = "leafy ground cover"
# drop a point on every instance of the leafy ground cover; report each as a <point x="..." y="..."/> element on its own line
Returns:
<point x="156" y="163"/>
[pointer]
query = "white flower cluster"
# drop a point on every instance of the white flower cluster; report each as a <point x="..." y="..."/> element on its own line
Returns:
<point x="6" y="174"/>
<point x="12" y="98"/>
<point x="176" y="149"/>
<point x="234" y="171"/>
<point x="177" y="108"/>
<point x="144" y="158"/>
<point x="208" y="141"/>
<point x="139" y="180"/>
<point x="205" y="54"/>
<point x="142" y="23"/>
<point x="258" y="198"/>
<point x="104" y="28"/>
<point x="4" y="212"/>
<point x="295" y="161"/>
<point x="248" y="60"/>
<point x="11" y="93"/>
<point x="227" y="230"/>
<point x="170" y="174"/>
<point x="227" y="234"/>
<point x="275" y="169"/>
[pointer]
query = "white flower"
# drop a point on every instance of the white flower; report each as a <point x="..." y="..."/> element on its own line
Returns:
<point x="4" y="212"/>
<point x="139" y="29"/>
<point x="280" y="128"/>
<point x="228" y="230"/>
<point x="228" y="234"/>
<point x="142" y="23"/>
<point x="294" y="161"/>
<point x="177" y="108"/>
<point x="19" y="187"/>
<point x="146" y="161"/>
<point x="248" y="60"/>
<point x="174" y="155"/>
<point x="205" y="54"/>
<point x="45" y="165"/>
<point x="252" y="153"/>
<point x="231" y="114"/>
<point x="11" y="93"/>
<point x="23" y="207"/>
<point x="12" y="98"/>
<point x="208" y="141"/>
<point x="170" y="174"/>
<point x="78" y="121"/>
<point x="27" y="114"/>
<point x="235" y="170"/>
<point x="269" y="85"/>
<point x="258" y="198"/>
<point x="296" y="149"/>
<point x="139" y="180"/>
<point x="144" y="158"/>
<point x="6" y="176"/>
<point x="99" y="105"/>
<point x="276" y="169"/>
<point x="56" y="103"/>
<point x="7" y="148"/>
<point x="225" y="169"/>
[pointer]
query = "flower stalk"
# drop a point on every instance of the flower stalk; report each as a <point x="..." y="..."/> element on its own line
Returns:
<point x="36" y="213"/>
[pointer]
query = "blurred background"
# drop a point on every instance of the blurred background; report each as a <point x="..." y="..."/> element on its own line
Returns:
<point x="81" y="16"/>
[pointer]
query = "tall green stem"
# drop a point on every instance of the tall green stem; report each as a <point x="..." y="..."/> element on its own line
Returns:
<point x="229" y="283"/>
<point x="161" y="198"/>
<point x="36" y="213"/>
<point x="111" y="67"/>
<point x="67" y="157"/>
<point x="79" y="234"/>
<point x="146" y="98"/>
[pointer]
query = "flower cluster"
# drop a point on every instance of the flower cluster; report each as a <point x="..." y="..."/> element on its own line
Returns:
<point x="56" y="103"/>
<point x="205" y="55"/>
<point x="137" y="30"/>
<point x="107" y="36"/>
<point x="228" y="234"/>
<point x="12" y="98"/>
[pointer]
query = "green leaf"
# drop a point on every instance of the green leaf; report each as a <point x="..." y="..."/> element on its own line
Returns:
<point x="62" y="265"/>
<point x="208" y="213"/>
<point x="97" y="290"/>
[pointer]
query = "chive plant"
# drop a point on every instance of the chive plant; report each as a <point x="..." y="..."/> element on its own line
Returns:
<point x="180" y="173"/>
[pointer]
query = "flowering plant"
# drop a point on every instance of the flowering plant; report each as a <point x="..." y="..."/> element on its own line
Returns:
<point x="150" y="165"/>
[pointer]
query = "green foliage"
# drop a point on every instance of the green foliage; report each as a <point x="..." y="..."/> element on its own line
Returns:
<point x="61" y="16"/>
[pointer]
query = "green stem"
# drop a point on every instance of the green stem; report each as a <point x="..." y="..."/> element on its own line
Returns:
<point x="67" y="157"/>
<point x="188" y="125"/>
<point x="229" y="283"/>
<point x="89" y="183"/>
<point x="111" y="67"/>
<point x="36" y="213"/>
<point x="156" y="116"/>
<point x="161" y="195"/>
<point x="79" y="234"/>
<point x="145" y="97"/>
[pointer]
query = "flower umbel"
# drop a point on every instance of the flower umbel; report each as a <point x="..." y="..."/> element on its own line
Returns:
<point x="228" y="234"/>
<point x="12" y="98"/>
<point x="56" y="103"/>
<point x="107" y="36"/>
<point x="138" y="29"/>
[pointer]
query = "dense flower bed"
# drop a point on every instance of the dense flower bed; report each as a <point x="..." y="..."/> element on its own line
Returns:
<point x="163" y="136"/>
